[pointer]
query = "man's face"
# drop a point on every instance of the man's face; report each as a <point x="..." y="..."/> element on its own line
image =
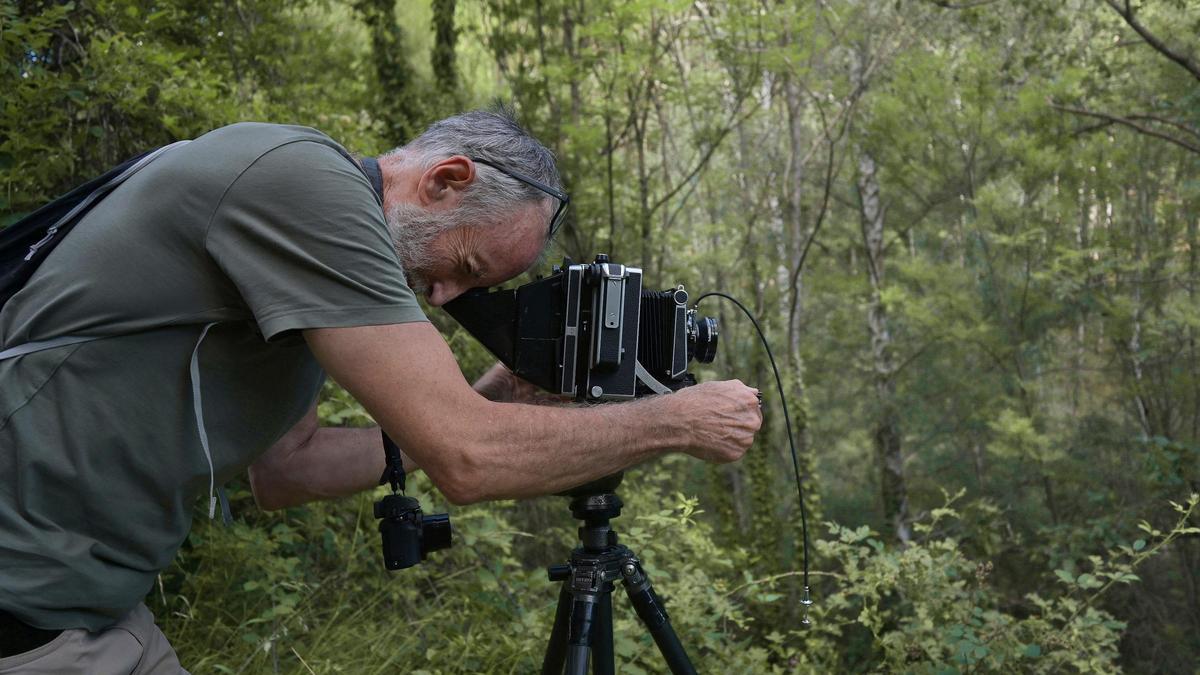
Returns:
<point x="456" y="257"/>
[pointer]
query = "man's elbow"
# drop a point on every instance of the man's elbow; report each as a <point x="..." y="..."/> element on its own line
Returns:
<point x="461" y="480"/>
<point x="268" y="494"/>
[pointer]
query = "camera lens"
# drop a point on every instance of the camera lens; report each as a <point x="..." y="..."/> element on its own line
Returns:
<point x="435" y="533"/>
<point x="702" y="338"/>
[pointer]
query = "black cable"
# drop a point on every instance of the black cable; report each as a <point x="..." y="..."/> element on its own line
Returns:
<point x="787" y="418"/>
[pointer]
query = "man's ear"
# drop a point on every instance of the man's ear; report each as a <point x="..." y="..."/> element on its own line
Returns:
<point x="445" y="179"/>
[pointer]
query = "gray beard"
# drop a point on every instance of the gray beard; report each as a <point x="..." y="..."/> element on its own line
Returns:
<point x="413" y="230"/>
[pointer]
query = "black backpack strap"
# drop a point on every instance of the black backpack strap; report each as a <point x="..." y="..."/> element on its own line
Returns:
<point x="26" y="243"/>
<point x="370" y="167"/>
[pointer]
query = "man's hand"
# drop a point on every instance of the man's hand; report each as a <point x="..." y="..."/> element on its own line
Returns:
<point x="501" y="385"/>
<point x="496" y="384"/>
<point x="726" y="416"/>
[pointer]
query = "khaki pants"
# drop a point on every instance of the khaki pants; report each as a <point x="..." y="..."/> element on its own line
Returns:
<point x="131" y="646"/>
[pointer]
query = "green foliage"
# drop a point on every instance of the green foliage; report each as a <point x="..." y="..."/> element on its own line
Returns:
<point x="1041" y="278"/>
<point x="306" y="590"/>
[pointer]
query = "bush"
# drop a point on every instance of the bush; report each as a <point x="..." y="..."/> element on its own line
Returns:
<point x="305" y="591"/>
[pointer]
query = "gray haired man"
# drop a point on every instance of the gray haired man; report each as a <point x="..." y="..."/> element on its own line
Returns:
<point x="224" y="281"/>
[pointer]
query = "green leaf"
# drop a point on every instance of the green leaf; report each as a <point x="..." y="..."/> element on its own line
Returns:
<point x="1139" y="544"/>
<point x="1065" y="576"/>
<point x="1033" y="651"/>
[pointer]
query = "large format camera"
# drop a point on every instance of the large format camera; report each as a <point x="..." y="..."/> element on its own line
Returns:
<point x="590" y="331"/>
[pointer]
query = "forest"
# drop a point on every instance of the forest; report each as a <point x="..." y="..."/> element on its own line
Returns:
<point x="970" y="230"/>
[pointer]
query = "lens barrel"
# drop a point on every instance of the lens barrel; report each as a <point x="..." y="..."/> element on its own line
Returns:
<point x="435" y="533"/>
<point x="702" y="338"/>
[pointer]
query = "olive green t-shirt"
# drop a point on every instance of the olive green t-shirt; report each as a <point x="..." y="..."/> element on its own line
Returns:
<point x="262" y="228"/>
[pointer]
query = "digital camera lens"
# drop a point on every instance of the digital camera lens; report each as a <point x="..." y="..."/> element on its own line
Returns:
<point x="435" y="533"/>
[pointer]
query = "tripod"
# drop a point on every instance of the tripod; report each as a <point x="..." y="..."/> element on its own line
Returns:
<point x="583" y="619"/>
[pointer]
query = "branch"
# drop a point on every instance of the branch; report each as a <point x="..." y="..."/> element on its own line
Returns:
<point x="1186" y="128"/>
<point x="812" y="236"/>
<point x="946" y="4"/>
<point x="708" y="153"/>
<point x="1129" y="122"/>
<point x="1159" y="46"/>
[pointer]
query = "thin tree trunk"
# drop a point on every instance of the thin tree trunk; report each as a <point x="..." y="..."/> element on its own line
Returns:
<point x="1193" y="242"/>
<point x="886" y="433"/>
<point x="445" y="41"/>
<point x="396" y="102"/>
<point x="1134" y="345"/>
<point x="797" y="232"/>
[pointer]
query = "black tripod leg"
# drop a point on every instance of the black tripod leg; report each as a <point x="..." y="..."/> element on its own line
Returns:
<point x="602" y="643"/>
<point x="653" y="613"/>
<point x="556" y="649"/>
<point x="585" y="609"/>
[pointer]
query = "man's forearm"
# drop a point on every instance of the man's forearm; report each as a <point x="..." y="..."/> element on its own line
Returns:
<point x="319" y="463"/>
<point x="518" y="450"/>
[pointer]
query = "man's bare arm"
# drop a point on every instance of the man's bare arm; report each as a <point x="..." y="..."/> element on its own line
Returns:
<point x="312" y="462"/>
<point x="474" y="449"/>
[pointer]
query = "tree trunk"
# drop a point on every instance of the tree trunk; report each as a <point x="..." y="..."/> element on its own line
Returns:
<point x="395" y="102"/>
<point x="886" y="432"/>
<point x="445" y="39"/>
<point x="797" y="232"/>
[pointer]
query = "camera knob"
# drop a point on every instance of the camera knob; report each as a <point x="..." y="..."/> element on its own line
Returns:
<point x="559" y="572"/>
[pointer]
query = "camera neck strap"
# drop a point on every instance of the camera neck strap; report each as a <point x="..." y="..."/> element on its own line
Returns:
<point x="393" y="474"/>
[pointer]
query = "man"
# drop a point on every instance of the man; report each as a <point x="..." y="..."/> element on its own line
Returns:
<point x="224" y="280"/>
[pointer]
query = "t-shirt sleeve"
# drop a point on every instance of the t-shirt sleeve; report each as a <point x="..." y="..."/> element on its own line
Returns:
<point x="301" y="235"/>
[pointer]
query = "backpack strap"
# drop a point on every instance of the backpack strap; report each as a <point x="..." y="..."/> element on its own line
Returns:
<point x="215" y="494"/>
<point x="370" y="166"/>
<point x="202" y="431"/>
<point x="39" y="345"/>
<point x="97" y="195"/>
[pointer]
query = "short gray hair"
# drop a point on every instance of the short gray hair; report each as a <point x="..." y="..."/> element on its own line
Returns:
<point x="495" y="136"/>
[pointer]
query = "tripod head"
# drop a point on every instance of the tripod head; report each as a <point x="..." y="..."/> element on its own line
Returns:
<point x="596" y="510"/>
<point x="596" y="487"/>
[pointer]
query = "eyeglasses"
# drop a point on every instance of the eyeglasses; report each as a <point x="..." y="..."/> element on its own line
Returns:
<point x="562" y="197"/>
